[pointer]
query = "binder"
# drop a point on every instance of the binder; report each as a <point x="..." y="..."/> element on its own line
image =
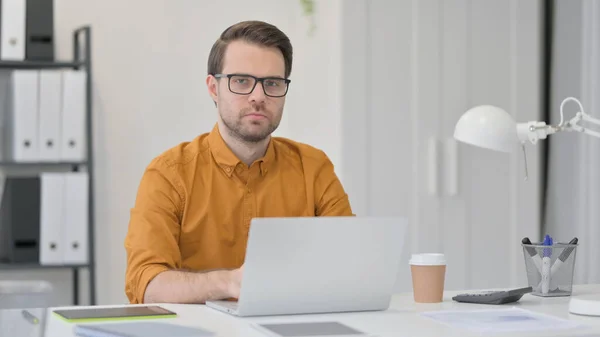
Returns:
<point x="20" y="220"/>
<point x="22" y="127"/>
<point x="39" y="32"/>
<point x="52" y="195"/>
<point x="12" y="30"/>
<point x="49" y="115"/>
<point x="73" y="145"/>
<point x="76" y="218"/>
<point x="5" y="112"/>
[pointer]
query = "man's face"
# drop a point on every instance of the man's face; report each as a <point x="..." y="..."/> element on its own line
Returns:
<point x="254" y="116"/>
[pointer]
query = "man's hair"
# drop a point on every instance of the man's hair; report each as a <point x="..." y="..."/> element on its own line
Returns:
<point x="255" y="32"/>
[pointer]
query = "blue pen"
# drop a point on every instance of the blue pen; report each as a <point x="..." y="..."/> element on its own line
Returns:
<point x="546" y="264"/>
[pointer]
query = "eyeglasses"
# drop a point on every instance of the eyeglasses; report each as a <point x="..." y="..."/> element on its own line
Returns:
<point x="242" y="84"/>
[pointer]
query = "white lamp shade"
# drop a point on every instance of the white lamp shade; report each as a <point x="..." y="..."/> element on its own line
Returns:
<point x="489" y="127"/>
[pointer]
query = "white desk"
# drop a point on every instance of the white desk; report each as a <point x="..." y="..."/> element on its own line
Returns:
<point x="402" y="319"/>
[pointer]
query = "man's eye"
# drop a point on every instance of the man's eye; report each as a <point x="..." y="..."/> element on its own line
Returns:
<point x="272" y="83"/>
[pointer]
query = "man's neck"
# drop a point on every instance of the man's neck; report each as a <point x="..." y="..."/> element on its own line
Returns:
<point x="246" y="152"/>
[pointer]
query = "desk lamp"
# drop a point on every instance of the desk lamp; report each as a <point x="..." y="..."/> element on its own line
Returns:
<point x="493" y="128"/>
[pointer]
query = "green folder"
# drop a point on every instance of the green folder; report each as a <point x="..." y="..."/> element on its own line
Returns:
<point x="126" y="313"/>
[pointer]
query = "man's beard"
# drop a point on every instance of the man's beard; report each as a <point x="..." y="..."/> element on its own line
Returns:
<point x="237" y="130"/>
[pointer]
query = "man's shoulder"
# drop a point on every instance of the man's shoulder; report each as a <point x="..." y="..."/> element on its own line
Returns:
<point x="300" y="150"/>
<point x="183" y="153"/>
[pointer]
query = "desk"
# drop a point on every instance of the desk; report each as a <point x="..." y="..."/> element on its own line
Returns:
<point x="401" y="319"/>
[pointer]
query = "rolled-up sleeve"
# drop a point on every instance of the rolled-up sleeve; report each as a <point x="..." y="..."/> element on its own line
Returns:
<point x="331" y="198"/>
<point x="153" y="234"/>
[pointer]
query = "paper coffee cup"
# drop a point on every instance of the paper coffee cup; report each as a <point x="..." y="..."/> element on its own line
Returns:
<point x="428" y="275"/>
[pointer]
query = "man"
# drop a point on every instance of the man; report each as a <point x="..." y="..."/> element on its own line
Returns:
<point x="188" y="230"/>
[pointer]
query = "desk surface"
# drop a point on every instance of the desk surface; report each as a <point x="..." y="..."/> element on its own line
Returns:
<point x="401" y="319"/>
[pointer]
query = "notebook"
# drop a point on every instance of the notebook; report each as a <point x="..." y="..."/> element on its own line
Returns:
<point x="113" y="313"/>
<point x="138" y="329"/>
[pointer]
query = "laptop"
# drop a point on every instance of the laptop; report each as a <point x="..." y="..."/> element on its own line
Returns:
<point x="306" y="265"/>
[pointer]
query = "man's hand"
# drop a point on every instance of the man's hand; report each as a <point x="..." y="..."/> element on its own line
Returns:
<point x="235" y="282"/>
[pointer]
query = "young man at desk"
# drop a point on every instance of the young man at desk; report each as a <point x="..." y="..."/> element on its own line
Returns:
<point x="188" y="229"/>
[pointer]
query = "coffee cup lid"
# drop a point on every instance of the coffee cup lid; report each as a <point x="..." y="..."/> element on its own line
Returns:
<point x="428" y="259"/>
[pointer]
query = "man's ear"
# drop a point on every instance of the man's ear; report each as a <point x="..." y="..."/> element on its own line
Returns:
<point x="211" y="85"/>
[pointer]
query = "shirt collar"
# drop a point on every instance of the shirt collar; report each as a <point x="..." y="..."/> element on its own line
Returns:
<point x="228" y="161"/>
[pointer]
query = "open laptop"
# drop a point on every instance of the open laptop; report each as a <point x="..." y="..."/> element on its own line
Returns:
<point x="303" y="265"/>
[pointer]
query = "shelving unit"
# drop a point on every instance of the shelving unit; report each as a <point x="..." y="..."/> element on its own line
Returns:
<point x="82" y="42"/>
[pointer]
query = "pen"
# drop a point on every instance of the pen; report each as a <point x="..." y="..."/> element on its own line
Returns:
<point x="563" y="256"/>
<point x="561" y="259"/>
<point x="547" y="252"/>
<point x="537" y="260"/>
<point x="30" y="317"/>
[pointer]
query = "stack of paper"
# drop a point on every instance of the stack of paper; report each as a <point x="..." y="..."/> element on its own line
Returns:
<point x="501" y="320"/>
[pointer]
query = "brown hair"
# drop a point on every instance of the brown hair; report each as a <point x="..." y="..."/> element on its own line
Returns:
<point x="256" y="32"/>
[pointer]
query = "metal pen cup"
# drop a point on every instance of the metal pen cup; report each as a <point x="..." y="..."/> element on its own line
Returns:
<point x="550" y="269"/>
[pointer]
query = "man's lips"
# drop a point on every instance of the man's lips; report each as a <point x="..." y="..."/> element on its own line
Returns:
<point x="255" y="115"/>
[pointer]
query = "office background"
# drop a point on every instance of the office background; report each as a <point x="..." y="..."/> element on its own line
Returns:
<point x="378" y="85"/>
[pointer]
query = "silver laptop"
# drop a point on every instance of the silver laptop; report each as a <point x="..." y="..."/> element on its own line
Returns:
<point x="309" y="265"/>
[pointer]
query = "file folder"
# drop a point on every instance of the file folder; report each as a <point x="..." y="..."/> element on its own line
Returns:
<point x="39" y="32"/>
<point x="20" y="220"/>
<point x="73" y="116"/>
<point x="5" y="111"/>
<point x="52" y="210"/>
<point x="22" y="123"/>
<point x="49" y="115"/>
<point x="76" y="218"/>
<point x="12" y="30"/>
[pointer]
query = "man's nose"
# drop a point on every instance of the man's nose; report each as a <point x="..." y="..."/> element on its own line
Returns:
<point x="258" y="94"/>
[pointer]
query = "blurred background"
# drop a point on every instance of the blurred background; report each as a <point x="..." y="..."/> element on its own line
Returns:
<point x="379" y="86"/>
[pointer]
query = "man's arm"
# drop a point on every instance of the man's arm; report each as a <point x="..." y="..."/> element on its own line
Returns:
<point x="153" y="255"/>
<point x="331" y="199"/>
<point x="188" y="287"/>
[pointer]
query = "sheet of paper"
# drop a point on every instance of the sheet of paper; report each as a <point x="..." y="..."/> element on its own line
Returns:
<point x="501" y="320"/>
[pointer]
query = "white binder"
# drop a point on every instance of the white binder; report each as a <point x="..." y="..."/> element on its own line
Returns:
<point x="12" y="23"/>
<point x="52" y="196"/>
<point x="76" y="218"/>
<point x="5" y="112"/>
<point x="73" y="116"/>
<point x="49" y="115"/>
<point x="24" y="116"/>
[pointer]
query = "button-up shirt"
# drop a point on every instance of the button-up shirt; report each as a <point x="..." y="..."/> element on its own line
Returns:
<point x="195" y="203"/>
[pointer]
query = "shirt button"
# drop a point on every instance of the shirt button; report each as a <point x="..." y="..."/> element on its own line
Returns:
<point x="228" y="169"/>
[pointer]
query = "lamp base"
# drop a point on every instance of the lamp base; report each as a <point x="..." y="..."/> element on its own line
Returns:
<point x="588" y="305"/>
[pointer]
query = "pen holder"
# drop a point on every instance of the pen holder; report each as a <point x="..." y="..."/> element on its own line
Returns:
<point x="550" y="268"/>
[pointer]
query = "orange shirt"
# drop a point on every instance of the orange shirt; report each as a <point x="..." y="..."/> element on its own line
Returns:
<point x="196" y="200"/>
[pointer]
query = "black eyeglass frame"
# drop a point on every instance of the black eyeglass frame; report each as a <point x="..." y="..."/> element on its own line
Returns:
<point x="256" y="80"/>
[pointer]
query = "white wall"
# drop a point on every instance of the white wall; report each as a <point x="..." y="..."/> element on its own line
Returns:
<point x="149" y="66"/>
<point x="421" y="65"/>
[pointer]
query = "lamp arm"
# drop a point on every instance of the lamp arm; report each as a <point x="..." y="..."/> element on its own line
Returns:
<point x="582" y="116"/>
<point x="534" y="130"/>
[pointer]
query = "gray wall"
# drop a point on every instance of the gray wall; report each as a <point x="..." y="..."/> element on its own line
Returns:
<point x="573" y="196"/>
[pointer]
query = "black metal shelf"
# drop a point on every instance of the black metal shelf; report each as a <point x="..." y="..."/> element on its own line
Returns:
<point x="82" y="54"/>
<point x="33" y="266"/>
<point x="39" y="64"/>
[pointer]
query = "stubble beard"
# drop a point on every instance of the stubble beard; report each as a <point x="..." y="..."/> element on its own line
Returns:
<point x="238" y="130"/>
